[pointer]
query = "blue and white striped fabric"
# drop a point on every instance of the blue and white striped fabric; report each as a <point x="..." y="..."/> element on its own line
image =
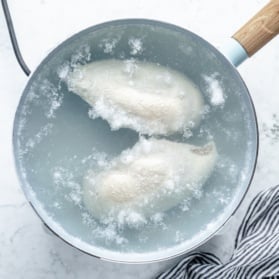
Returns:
<point x="256" y="253"/>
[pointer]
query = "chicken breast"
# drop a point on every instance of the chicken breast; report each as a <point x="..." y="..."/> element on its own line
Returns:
<point x="146" y="97"/>
<point x="152" y="177"/>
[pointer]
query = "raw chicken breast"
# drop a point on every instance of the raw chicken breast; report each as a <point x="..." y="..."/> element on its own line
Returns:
<point x="153" y="176"/>
<point x="146" y="97"/>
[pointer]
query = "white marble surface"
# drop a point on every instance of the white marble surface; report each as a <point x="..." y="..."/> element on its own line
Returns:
<point x="27" y="251"/>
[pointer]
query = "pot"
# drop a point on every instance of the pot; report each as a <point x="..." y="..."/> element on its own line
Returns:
<point x="54" y="139"/>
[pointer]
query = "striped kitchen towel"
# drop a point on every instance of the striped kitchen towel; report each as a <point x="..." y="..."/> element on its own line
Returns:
<point x="256" y="253"/>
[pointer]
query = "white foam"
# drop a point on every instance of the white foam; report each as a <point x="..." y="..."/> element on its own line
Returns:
<point x="81" y="56"/>
<point x="157" y="218"/>
<point x="109" y="44"/>
<point x="110" y="234"/>
<point x="64" y="178"/>
<point x="37" y="138"/>
<point x="136" y="46"/>
<point x="214" y="91"/>
<point x="64" y="70"/>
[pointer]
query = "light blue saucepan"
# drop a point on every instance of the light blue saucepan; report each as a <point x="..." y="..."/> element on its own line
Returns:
<point x="55" y="141"/>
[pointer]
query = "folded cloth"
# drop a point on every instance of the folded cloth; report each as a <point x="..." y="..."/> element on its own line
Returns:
<point x="256" y="253"/>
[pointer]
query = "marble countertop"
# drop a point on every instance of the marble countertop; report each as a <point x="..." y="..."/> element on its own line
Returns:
<point x="27" y="250"/>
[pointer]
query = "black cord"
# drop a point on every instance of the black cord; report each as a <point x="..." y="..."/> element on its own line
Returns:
<point x="10" y="25"/>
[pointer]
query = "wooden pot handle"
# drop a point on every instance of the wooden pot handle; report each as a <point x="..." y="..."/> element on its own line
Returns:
<point x="260" y="29"/>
